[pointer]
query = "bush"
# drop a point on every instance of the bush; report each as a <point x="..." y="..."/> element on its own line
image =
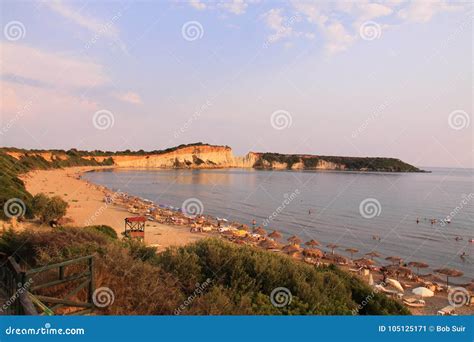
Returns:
<point x="219" y="277"/>
<point x="39" y="203"/>
<point x="50" y="209"/>
<point x="104" y="229"/>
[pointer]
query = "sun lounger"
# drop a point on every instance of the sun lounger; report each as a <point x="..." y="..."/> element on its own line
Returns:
<point x="414" y="302"/>
<point x="447" y="311"/>
<point x="356" y="270"/>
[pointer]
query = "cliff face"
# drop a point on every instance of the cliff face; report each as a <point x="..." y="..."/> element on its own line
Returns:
<point x="203" y="156"/>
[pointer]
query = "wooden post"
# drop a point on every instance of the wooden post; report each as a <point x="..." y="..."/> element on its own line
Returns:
<point x="91" y="283"/>
<point x="61" y="272"/>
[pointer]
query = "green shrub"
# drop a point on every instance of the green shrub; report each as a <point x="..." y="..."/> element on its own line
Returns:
<point x="104" y="229"/>
<point x="54" y="210"/>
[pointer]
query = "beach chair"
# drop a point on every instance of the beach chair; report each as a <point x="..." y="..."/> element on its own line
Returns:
<point x="356" y="270"/>
<point x="447" y="311"/>
<point x="414" y="302"/>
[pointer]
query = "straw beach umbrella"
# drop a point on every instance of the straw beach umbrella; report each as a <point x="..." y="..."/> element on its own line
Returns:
<point x="274" y="235"/>
<point x="313" y="253"/>
<point x="260" y="231"/>
<point x="291" y="249"/>
<point x="449" y="272"/>
<point x="364" y="262"/>
<point x="394" y="259"/>
<point x="312" y="243"/>
<point x="336" y="258"/>
<point x="269" y="244"/>
<point x="332" y="246"/>
<point x="373" y="255"/>
<point x="294" y="240"/>
<point x="352" y="251"/>
<point x="417" y="265"/>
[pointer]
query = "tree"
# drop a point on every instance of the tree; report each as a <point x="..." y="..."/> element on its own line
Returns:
<point x="54" y="209"/>
<point x="39" y="203"/>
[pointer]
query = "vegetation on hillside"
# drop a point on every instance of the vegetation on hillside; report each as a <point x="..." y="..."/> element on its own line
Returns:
<point x="100" y="153"/>
<point x="207" y="277"/>
<point x="346" y="163"/>
<point x="11" y="168"/>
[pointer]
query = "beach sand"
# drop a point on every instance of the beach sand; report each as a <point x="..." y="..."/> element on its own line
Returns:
<point x="87" y="206"/>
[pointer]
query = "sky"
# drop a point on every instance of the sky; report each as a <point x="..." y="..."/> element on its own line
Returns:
<point x="365" y="78"/>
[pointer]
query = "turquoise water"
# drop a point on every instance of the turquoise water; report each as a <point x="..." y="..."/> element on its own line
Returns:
<point x="326" y="206"/>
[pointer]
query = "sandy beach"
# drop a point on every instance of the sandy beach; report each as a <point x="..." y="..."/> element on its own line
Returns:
<point x="87" y="206"/>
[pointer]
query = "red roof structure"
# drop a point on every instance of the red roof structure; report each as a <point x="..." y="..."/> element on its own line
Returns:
<point x="135" y="219"/>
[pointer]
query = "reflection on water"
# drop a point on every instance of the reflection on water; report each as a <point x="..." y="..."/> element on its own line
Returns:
<point x="327" y="206"/>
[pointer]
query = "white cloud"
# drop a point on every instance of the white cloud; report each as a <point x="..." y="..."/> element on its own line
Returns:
<point x="338" y="39"/>
<point x="50" y="69"/>
<point x="99" y="27"/>
<point x="423" y="11"/>
<point x="275" y="20"/>
<point x="130" y="97"/>
<point x="197" y="4"/>
<point x="234" y="6"/>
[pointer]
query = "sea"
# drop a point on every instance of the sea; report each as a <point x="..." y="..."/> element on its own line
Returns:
<point x="426" y="217"/>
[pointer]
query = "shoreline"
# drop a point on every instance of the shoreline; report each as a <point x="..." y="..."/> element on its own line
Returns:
<point x="169" y="228"/>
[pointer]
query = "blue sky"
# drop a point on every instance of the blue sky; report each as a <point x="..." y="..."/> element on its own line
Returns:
<point x="359" y="78"/>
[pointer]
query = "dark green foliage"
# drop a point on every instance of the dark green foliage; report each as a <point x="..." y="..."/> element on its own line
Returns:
<point x="248" y="275"/>
<point x="104" y="229"/>
<point x="10" y="169"/>
<point x="231" y="279"/>
<point x="39" y="203"/>
<point x="138" y="250"/>
<point x="346" y="163"/>
<point x="54" y="209"/>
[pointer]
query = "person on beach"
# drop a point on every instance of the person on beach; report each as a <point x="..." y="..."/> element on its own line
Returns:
<point x="417" y="220"/>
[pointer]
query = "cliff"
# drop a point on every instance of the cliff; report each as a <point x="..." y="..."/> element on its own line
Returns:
<point x="204" y="156"/>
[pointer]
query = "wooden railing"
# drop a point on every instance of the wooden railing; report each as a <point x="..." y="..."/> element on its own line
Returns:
<point x="22" y="290"/>
<point x="15" y="289"/>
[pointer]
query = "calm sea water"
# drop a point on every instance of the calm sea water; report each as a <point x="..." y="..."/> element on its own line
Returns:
<point x="326" y="206"/>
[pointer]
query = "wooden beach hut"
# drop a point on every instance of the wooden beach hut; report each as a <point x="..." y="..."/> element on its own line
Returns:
<point x="135" y="227"/>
